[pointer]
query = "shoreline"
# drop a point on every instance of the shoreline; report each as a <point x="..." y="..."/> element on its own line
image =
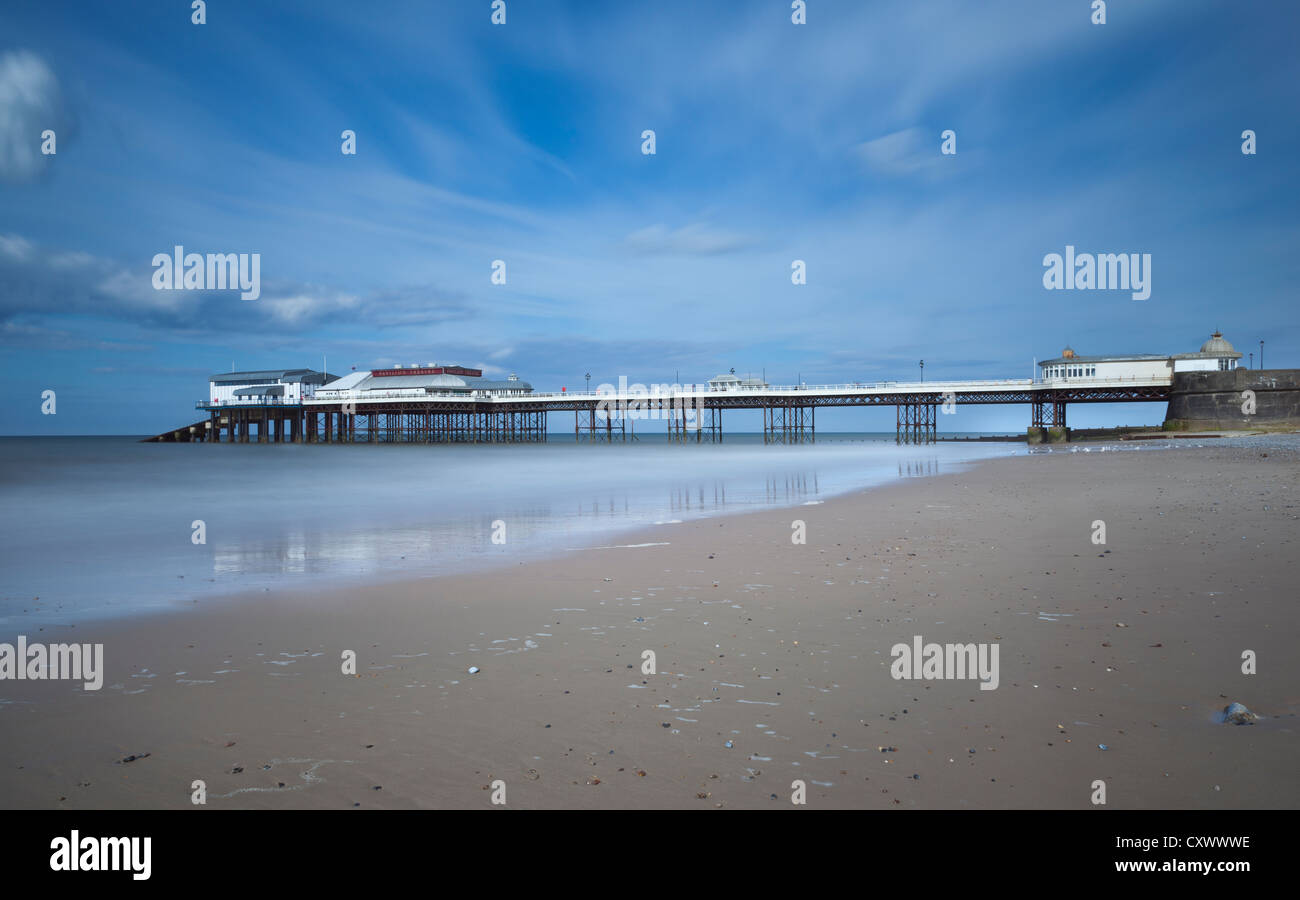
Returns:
<point x="359" y="550"/>
<point x="793" y="638"/>
<point x="559" y="538"/>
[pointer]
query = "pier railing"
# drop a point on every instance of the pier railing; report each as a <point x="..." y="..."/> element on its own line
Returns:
<point x="219" y="404"/>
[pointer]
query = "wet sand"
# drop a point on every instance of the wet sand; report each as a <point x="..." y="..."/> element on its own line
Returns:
<point x="781" y="649"/>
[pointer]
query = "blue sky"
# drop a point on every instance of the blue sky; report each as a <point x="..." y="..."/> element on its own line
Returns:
<point x="522" y="142"/>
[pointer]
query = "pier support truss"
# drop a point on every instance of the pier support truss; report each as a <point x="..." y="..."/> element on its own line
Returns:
<point x="271" y="425"/>
<point x="691" y="422"/>
<point x="1048" y="412"/>
<point x="789" y="423"/>
<point x="598" y="426"/>
<point x="683" y="422"/>
<point x="915" y="422"/>
<point x="347" y="425"/>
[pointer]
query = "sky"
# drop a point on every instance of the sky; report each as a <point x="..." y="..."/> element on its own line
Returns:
<point x="522" y="142"/>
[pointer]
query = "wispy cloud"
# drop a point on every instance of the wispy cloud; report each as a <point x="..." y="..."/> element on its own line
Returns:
<point x="906" y="152"/>
<point x="696" y="239"/>
<point x="30" y="103"/>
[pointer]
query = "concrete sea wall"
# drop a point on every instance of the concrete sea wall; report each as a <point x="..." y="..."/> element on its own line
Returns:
<point x="1242" y="398"/>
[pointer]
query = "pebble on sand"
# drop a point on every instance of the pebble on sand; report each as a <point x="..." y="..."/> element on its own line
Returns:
<point x="1237" y="714"/>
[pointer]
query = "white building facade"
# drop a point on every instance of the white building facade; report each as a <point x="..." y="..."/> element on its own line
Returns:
<point x="1215" y="355"/>
<point x="277" y="386"/>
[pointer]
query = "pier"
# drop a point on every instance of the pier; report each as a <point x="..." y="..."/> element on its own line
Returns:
<point x="433" y="403"/>
<point x="789" y="413"/>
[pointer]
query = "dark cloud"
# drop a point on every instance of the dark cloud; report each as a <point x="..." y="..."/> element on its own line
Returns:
<point x="41" y="282"/>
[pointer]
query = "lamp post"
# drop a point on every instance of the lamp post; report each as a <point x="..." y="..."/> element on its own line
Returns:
<point x="1251" y="364"/>
<point x="922" y="370"/>
<point x="1261" y="354"/>
<point x="588" y="382"/>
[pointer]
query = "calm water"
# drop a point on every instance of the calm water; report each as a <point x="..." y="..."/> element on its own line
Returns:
<point x="105" y="526"/>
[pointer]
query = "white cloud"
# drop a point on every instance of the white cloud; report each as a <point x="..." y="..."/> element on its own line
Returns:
<point x="30" y="102"/>
<point x="696" y="239"/>
<point x="906" y="152"/>
<point x="15" y="247"/>
<point x="297" y="308"/>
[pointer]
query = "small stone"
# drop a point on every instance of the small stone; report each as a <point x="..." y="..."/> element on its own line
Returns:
<point x="1237" y="714"/>
<point x="473" y="670"/>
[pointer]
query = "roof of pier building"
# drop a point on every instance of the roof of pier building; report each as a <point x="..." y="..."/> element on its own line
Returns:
<point x="272" y="376"/>
<point x="440" y="383"/>
<point x="1215" y="348"/>
<point x="1123" y="357"/>
<point x="733" y="380"/>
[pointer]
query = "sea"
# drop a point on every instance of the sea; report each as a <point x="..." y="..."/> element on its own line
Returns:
<point x="108" y="526"/>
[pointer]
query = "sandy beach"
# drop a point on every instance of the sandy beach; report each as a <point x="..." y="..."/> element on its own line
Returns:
<point x="772" y="662"/>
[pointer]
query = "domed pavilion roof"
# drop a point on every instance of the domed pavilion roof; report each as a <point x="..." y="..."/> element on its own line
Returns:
<point x="1216" y="344"/>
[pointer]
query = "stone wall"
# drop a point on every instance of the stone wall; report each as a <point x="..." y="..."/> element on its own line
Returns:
<point x="1218" y="400"/>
